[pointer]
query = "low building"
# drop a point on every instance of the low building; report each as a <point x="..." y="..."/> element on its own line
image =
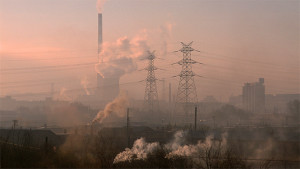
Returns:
<point x="278" y="103"/>
<point x="32" y="137"/>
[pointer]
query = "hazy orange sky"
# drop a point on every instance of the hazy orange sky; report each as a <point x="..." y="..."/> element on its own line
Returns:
<point x="239" y="41"/>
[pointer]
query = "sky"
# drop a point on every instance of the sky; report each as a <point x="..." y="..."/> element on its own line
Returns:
<point x="44" y="42"/>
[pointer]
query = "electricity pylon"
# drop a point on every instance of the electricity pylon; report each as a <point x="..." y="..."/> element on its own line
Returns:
<point x="151" y="97"/>
<point x="186" y="94"/>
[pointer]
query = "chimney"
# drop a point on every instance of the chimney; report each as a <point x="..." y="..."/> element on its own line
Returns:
<point x="99" y="77"/>
<point x="99" y="34"/>
<point x="107" y="87"/>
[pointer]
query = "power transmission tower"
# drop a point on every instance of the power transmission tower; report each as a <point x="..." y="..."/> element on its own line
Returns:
<point x="186" y="94"/>
<point x="151" y="96"/>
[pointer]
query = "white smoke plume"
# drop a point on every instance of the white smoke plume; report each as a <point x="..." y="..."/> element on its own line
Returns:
<point x="118" y="106"/>
<point x="84" y="82"/>
<point x="178" y="140"/>
<point x="188" y="150"/>
<point x="175" y="148"/>
<point x="139" y="151"/>
<point x="63" y="95"/>
<point x="100" y="4"/>
<point x="264" y="150"/>
<point x="165" y="35"/>
<point x="119" y="57"/>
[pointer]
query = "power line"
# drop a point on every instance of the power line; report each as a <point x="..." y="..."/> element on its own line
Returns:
<point x="248" y="51"/>
<point x="56" y="58"/>
<point x="46" y="67"/>
<point x="19" y="70"/>
<point x="32" y="81"/>
<point x="220" y="56"/>
<point x="60" y="51"/>
<point x="270" y="74"/>
<point x="68" y="90"/>
<point x="231" y="58"/>
<point x="250" y="73"/>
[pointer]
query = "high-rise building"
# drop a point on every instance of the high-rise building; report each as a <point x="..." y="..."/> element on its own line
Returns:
<point x="254" y="96"/>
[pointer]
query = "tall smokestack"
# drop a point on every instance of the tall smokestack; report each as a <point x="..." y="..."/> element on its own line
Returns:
<point x="100" y="40"/>
<point x="99" y="35"/>
<point x="107" y="86"/>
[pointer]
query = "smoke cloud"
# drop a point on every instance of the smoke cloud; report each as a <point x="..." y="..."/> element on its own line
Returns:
<point x="165" y="35"/>
<point x="84" y="82"/>
<point x="118" y="106"/>
<point x="118" y="58"/>
<point x="175" y="148"/>
<point x="139" y="151"/>
<point x="178" y="140"/>
<point x="100" y="4"/>
<point x="63" y="95"/>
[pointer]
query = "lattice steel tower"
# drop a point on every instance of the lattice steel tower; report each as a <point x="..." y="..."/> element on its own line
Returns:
<point x="151" y="97"/>
<point x="186" y="93"/>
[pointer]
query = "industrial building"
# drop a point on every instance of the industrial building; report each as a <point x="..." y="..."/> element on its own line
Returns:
<point x="254" y="96"/>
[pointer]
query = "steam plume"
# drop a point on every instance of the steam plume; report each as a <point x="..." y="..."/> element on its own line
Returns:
<point x="119" y="56"/>
<point x="165" y="35"/>
<point x="84" y="82"/>
<point x="100" y="4"/>
<point x="62" y="95"/>
<point x="190" y="150"/>
<point x="177" y="141"/>
<point x="175" y="148"/>
<point x="139" y="150"/>
<point x="118" y="106"/>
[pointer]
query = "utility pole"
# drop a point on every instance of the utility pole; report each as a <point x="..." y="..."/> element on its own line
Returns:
<point x="195" y="118"/>
<point x="170" y="103"/>
<point x="127" y="127"/>
<point x="186" y="94"/>
<point x="15" y="124"/>
<point x="214" y="120"/>
<point x="170" y="93"/>
<point x="151" y="96"/>
<point x="163" y="89"/>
